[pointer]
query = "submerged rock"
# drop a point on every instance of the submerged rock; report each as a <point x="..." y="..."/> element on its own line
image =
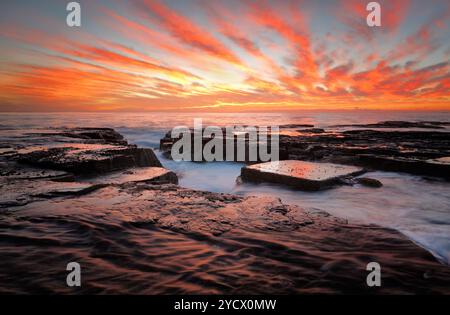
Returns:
<point x="369" y="182"/>
<point x="299" y="174"/>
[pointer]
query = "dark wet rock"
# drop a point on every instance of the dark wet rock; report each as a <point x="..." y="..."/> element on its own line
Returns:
<point x="407" y="165"/>
<point x="312" y="130"/>
<point x="415" y="152"/>
<point x="402" y="124"/>
<point x="77" y="150"/>
<point x="163" y="239"/>
<point x="300" y="174"/>
<point x="369" y="182"/>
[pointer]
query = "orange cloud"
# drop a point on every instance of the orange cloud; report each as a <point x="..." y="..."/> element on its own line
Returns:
<point x="261" y="55"/>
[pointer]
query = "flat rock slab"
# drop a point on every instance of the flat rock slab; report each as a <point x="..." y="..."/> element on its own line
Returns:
<point x="300" y="174"/>
<point x="90" y="161"/>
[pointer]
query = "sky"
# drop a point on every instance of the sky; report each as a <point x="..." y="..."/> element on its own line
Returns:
<point x="215" y="55"/>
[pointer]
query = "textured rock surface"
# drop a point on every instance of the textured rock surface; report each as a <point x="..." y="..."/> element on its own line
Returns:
<point x="149" y="239"/>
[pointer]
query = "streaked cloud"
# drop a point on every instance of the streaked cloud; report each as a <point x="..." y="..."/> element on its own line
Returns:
<point x="226" y="55"/>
